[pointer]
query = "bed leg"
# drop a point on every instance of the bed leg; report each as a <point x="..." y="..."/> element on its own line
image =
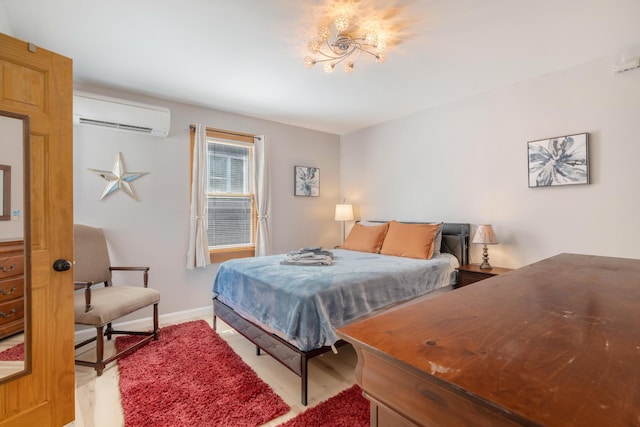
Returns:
<point x="303" y="382"/>
<point x="214" y="322"/>
<point x="257" y="351"/>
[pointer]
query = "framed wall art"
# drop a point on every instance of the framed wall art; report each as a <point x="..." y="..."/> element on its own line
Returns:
<point x="306" y="181"/>
<point x="563" y="160"/>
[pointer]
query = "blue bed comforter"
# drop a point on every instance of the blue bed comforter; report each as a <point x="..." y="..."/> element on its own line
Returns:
<point x="306" y="304"/>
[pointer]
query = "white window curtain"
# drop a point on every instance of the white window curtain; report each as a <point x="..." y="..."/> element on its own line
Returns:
<point x="198" y="249"/>
<point x="262" y="188"/>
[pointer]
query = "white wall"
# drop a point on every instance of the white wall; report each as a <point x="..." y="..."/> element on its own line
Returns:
<point x="467" y="162"/>
<point x="5" y="23"/>
<point x="153" y="231"/>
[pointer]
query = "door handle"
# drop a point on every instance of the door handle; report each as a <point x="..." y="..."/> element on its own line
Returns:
<point x="62" y="265"/>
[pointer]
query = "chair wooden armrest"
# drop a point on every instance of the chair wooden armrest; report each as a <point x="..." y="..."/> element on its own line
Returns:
<point x="87" y="293"/>
<point x="143" y="269"/>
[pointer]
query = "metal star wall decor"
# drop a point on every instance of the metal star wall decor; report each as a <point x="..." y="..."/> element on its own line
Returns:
<point x="118" y="179"/>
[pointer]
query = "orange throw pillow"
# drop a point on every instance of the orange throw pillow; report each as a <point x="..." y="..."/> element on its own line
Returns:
<point x="410" y="240"/>
<point x="365" y="238"/>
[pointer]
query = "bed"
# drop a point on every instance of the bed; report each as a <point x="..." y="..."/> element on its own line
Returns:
<point x="292" y="312"/>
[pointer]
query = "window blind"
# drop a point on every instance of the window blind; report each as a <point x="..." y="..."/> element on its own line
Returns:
<point x="229" y="194"/>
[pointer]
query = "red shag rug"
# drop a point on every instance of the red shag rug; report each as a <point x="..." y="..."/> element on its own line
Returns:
<point x="13" y="354"/>
<point x="192" y="377"/>
<point x="346" y="409"/>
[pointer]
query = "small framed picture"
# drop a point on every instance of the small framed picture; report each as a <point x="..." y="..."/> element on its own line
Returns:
<point x="306" y="181"/>
<point x="563" y="160"/>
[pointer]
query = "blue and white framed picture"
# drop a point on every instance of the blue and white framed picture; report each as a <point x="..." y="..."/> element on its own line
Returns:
<point x="306" y="181"/>
<point x="563" y="160"/>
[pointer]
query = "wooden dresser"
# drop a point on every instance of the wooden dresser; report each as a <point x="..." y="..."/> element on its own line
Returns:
<point x="555" y="343"/>
<point x="11" y="287"/>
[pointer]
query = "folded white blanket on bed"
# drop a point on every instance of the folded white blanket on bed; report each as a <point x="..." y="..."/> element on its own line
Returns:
<point x="316" y="250"/>
<point x="306" y="258"/>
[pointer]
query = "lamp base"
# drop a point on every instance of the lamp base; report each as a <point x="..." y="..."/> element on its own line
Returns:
<point x="485" y="266"/>
<point x="485" y="259"/>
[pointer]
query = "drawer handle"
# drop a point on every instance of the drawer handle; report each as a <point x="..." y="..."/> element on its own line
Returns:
<point x="4" y="292"/>
<point x="11" y="313"/>
<point x="4" y="269"/>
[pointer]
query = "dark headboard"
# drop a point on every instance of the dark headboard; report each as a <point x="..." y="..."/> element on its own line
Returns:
<point x="455" y="239"/>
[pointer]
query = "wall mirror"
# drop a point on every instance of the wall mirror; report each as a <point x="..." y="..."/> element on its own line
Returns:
<point x="5" y="192"/>
<point x="15" y="254"/>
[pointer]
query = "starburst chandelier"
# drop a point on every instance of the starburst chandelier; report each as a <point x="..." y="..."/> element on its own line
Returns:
<point x="346" y="46"/>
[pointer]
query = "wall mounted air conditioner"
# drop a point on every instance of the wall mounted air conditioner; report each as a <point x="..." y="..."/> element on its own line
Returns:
<point x="119" y="114"/>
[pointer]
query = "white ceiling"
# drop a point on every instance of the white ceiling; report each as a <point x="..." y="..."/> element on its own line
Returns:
<point x="245" y="56"/>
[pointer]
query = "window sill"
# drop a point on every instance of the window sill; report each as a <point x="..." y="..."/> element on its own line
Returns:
<point x="221" y="255"/>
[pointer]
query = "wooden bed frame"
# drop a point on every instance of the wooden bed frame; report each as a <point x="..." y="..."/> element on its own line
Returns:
<point x="455" y="240"/>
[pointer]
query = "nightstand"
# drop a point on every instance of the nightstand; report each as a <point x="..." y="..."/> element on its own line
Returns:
<point x="471" y="273"/>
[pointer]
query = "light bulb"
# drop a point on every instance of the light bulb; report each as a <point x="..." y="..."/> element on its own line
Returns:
<point x="323" y="33"/>
<point x="313" y="46"/>
<point x="348" y="67"/>
<point x="342" y="23"/>
<point x="309" y="62"/>
<point x="328" y="68"/>
<point x="381" y="45"/>
<point x="371" y="38"/>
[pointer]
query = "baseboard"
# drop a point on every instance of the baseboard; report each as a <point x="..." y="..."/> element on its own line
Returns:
<point x="145" y="323"/>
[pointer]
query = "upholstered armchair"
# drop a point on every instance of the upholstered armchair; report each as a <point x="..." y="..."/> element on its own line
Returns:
<point x="98" y="302"/>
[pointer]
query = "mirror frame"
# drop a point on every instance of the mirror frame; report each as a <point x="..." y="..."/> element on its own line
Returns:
<point x="6" y="193"/>
<point x="26" y="218"/>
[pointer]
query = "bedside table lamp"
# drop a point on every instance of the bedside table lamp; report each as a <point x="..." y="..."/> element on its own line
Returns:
<point x="344" y="212"/>
<point x="486" y="236"/>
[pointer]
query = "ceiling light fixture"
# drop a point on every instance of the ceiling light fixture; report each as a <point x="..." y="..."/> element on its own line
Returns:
<point x="342" y="47"/>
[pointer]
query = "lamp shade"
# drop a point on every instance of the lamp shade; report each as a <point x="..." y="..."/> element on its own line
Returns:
<point x="344" y="212"/>
<point x="484" y="234"/>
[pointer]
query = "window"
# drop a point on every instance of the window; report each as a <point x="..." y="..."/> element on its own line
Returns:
<point x="231" y="215"/>
<point x="229" y="194"/>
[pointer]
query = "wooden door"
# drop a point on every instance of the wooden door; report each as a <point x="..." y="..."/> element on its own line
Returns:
<point x="38" y="83"/>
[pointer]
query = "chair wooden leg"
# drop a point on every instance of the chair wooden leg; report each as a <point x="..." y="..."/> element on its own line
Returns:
<point x="99" y="349"/>
<point x="156" y="329"/>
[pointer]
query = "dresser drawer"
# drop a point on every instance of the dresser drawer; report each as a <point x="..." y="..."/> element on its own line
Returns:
<point x="11" y="311"/>
<point x="11" y="266"/>
<point x="409" y="396"/>
<point x="11" y="289"/>
<point x="469" y="277"/>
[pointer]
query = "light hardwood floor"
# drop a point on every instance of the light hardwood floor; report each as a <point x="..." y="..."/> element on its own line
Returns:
<point x="98" y="398"/>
